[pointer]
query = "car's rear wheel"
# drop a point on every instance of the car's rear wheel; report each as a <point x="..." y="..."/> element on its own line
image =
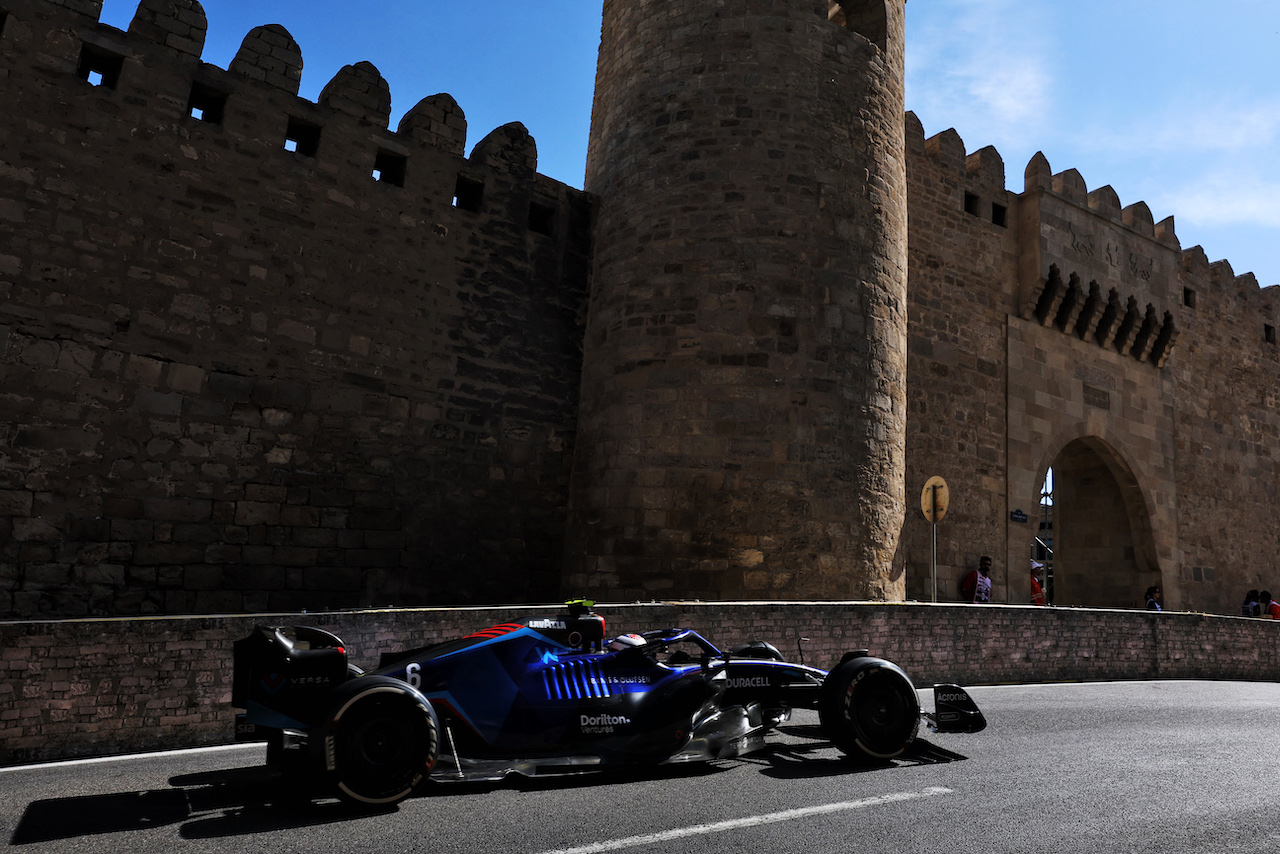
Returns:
<point x="379" y="741"/>
<point x="869" y="708"/>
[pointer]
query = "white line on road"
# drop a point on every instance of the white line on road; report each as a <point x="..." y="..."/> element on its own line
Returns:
<point x="750" y="821"/>
<point x="94" y="760"/>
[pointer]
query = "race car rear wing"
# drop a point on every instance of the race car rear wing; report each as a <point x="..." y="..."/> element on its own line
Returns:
<point x="954" y="711"/>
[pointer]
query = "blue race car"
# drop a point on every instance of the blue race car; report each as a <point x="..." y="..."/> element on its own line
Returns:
<point x="553" y="696"/>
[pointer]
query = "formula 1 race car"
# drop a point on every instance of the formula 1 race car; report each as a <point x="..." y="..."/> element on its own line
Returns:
<point x="553" y="696"/>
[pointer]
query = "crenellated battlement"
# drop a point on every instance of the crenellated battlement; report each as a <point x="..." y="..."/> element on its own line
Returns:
<point x="1104" y="201"/>
<point x="1095" y="269"/>
<point x="293" y="357"/>
<point x="159" y="56"/>
<point x="1089" y="265"/>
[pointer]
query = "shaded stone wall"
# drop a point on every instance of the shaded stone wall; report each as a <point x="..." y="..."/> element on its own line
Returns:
<point x="1228" y="435"/>
<point x="962" y="251"/>
<point x="88" y="688"/>
<point x="262" y="353"/>
<point x="743" y="383"/>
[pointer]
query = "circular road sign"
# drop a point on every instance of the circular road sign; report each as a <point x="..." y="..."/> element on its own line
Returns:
<point x="934" y="499"/>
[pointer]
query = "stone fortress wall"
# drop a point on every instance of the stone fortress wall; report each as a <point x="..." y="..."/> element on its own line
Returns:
<point x="1054" y="327"/>
<point x="261" y="353"/>
<point x="258" y="353"/>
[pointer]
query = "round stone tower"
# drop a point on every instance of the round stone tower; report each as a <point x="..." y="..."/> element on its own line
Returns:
<point x="743" y="393"/>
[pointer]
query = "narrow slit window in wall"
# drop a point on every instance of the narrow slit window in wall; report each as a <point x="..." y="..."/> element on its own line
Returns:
<point x="1000" y="215"/>
<point x="1188" y="298"/>
<point x="468" y="194"/>
<point x="389" y="168"/>
<point x="99" y="67"/>
<point x="302" y="138"/>
<point x="206" y="104"/>
<point x="971" y="204"/>
<point x="4" y="17"/>
<point x="1269" y="333"/>
<point x="542" y="217"/>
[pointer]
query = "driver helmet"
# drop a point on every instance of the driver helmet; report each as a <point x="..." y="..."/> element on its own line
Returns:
<point x="626" y="641"/>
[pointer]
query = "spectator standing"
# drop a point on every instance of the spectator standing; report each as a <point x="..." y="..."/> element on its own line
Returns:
<point x="976" y="586"/>
<point x="1037" y="589"/>
<point x="1270" y="607"/>
<point x="1153" y="598"/>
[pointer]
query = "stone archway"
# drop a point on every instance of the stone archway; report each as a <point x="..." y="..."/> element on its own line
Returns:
<point x="1104" y="553"/>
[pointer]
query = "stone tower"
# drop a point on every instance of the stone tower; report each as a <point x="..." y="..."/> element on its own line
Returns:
<point x="743" y="392"/>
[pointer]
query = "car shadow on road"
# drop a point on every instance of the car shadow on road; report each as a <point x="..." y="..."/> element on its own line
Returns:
<point x="803" y="760"/>
<point x="237" y="800"/>
<point x="240" y="801"/>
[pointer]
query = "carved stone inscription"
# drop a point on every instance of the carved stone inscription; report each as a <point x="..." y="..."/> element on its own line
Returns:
<point x="1097" y="398"/>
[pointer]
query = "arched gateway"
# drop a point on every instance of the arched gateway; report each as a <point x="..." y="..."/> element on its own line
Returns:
<point x="1103" y="554"/>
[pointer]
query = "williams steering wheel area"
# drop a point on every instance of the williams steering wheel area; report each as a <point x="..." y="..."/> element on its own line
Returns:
<point x="660" y="643"/>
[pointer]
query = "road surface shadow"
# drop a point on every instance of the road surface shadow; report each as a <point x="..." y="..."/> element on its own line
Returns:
<point x="238" y="801"/>
<point x="801" y="761"/>
<point x="247" y="800"/>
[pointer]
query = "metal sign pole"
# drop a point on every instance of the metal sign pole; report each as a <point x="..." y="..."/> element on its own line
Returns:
<point x="934" y="517"/>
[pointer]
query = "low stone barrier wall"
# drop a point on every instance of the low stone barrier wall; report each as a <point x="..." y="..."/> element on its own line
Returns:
<point x="75" y="688"/>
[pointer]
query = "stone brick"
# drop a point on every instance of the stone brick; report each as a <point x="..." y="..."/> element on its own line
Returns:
<point x="262" y="492"/>
<point x="257" y="513"/>
<point x="319" y="538"/>
<point x="150" y="554"/>
<point x="231" y="386"/>
<point x="300" y="517"/>
<point x="185" y="378"/>
<point x="28" y="530"/>
<point x="177" y="509"/>
<point x="15" y="502"/>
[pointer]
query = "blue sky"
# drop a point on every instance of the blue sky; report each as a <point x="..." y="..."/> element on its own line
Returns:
<point x="1171" y="102"/>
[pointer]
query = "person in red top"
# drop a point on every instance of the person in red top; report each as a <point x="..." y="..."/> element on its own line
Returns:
<point x="976" y="586"/>
<point x="1270" y="607"/>
<point x="1037" y="591"/>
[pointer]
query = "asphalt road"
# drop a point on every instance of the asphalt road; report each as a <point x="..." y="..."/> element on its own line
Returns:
<point x="1113" y="767"/>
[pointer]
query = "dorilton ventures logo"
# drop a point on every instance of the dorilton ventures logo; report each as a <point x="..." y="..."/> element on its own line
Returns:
<point x="601" y="724"/>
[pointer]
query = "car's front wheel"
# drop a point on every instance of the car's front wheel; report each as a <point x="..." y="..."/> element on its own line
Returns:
<point x="379" y="741"/>
<point x="869" y="708"/>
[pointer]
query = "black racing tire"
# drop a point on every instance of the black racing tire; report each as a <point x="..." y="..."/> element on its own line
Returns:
<point x="378" y="742"/>
<point x="869" y="708"/>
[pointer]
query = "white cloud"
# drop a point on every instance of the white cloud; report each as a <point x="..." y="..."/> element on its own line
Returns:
<point x="980" y="65"/>
<point x="1211" y="164"/>
<point x="1230" y="195"/>
<point x="1188" y="127"/>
